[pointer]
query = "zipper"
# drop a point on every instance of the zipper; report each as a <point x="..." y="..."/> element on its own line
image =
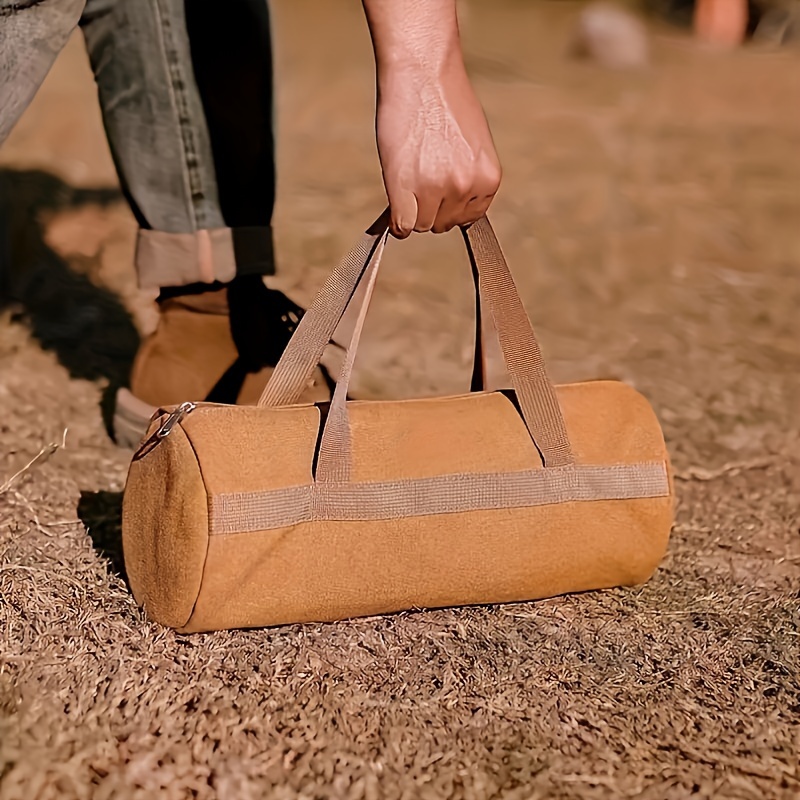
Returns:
<point x="174" y="418"/>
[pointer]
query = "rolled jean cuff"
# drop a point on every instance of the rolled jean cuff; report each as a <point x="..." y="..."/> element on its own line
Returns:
<point x="205" y="256"/>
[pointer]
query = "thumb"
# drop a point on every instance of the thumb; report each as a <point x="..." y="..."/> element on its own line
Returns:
<point x="403" y="208"/>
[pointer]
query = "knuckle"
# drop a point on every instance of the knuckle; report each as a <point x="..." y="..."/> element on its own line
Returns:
<point x="491" y="174"/>
<point x="494" y="177"/>
<point x="462" y="185"/>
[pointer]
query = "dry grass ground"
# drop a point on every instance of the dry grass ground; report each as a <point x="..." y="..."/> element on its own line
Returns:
<point x="651" y="221"/>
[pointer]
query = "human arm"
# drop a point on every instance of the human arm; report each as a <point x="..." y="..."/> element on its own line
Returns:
<point x="440" y="168"/>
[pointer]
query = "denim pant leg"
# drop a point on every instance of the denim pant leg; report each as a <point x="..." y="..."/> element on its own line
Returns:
<point x="157" y="130"/>
<point x="160" y="140"/>
<point x="31" y="36"/>
<point x="232" y="57"/>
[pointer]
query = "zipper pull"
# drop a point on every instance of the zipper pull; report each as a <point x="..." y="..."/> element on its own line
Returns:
<point x="174" y="418"/>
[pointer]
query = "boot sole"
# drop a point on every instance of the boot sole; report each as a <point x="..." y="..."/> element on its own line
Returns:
<point x="131" y="419"/>
<point x="132" y="416"/>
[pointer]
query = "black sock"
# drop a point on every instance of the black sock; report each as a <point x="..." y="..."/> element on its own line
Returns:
<point x="262" y="321"/>
<point x="169" y="292"/>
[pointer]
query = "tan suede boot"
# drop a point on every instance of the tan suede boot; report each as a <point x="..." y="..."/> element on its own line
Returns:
<point x="189" y="357"/>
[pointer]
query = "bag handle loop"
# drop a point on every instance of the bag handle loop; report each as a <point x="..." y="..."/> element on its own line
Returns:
<point x="523" y="359"/>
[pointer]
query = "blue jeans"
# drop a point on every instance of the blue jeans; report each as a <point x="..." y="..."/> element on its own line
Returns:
<point x="186" y="96"/>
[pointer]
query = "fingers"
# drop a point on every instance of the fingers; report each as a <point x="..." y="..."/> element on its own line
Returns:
<point x="461" y="212"/>
<point x="404" y="212"/>
<point x="464" y="207"/>
<point x="412" y="212"/>
<point x="428" y="210"/>
<point x="461" y="200"/>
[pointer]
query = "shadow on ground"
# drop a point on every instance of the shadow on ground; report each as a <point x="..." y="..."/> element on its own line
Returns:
<point x="86" y="325"/>
<point x="101" y="513"/>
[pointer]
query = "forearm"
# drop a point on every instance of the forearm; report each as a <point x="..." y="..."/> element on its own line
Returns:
<point x="439" y="164"/>
<point x="414" y="36"/>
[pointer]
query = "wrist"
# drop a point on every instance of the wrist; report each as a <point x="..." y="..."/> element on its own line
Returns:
<point x="414" y="39"/>
<point x="405" y="69"/>
<point x="418" y="55"/>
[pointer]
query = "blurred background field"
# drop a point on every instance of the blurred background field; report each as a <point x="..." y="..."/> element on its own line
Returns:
<point x="650" y="218"/>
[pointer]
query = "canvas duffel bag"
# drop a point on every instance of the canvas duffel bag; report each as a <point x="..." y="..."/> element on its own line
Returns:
<point x="238" y="516"/>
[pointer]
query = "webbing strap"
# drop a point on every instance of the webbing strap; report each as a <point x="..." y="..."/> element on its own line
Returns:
<point x="441" y="494"/>
<point x="521" y="353"/>
<point x="315" y="330"/>
<point x="523" y="358"/>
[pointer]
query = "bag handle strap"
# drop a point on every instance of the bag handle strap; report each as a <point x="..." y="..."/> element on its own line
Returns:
<point x="336" y="298"/>
<point x="521" y="353"/>
<point x="318" y="324"/>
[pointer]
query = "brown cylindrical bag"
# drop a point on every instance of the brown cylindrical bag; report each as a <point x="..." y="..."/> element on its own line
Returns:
<point x="238" y="516"/>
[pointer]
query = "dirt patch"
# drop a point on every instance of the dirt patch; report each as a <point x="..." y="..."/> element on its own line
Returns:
<point x="650" y="219"/>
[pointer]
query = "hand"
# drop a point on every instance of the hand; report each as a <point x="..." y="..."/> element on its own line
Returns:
<point x="439" y="163"/>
